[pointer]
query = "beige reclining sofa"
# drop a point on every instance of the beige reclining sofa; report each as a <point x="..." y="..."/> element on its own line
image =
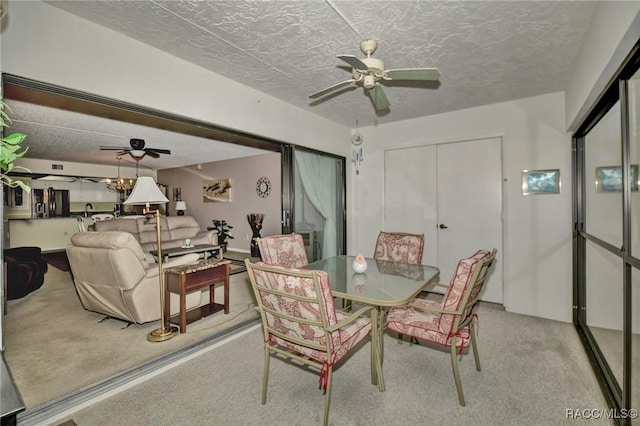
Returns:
<point x="112" y="276"/>
<point x="174" y="230"/>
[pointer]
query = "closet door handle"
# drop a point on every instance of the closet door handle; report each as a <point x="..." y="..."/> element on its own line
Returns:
<point x="443" y="226"/>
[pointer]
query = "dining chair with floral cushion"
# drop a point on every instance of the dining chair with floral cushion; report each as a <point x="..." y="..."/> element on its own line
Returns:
<point x="285" y="250"/>
<point x="300" y="322"/>
<point x="452" y="322"/>
<point x="399" y="247"/>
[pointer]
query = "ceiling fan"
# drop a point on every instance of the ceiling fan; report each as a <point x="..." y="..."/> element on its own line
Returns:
<point x="370" y="71"/>
<point x="137" y="149"/>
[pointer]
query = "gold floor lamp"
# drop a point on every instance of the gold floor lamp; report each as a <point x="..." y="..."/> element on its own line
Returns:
<point x="146" y="192"/>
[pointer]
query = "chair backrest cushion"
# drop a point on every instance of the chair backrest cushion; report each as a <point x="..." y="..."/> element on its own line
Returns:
<point x="111" y="240"/>
<point x="284" y="250"/>
<point x="454" y="296"/>
<point x="182" y="227"/>
<point x="122" y="225"/>
<point x="300" y="311"/>
<point x="399" y="247"/>
<point x="148" y="234"/>
<point x="105" y="267"/>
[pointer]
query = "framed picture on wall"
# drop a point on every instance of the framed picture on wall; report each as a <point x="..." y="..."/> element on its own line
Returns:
<point x="541" y="181"/>
<point x="609" y="178"/>
<point x="216" y="190"/>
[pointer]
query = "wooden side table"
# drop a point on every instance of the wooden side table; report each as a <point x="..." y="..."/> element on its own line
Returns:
<point x="187" y="278"/>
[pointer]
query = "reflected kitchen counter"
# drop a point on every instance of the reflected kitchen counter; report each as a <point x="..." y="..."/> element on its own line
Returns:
<point x="50" y="234"/>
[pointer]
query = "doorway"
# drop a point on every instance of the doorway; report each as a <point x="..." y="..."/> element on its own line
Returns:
<point x="314" y="200"/>
<point x="451" y="193"/>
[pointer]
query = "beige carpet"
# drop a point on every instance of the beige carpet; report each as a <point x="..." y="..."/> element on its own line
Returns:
<point x="533" y="371"/>
<point x="54" y="347"/>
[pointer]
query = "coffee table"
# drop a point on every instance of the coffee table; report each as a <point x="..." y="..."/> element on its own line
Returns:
<point x="184" y="279"/>
<point x="179" y="251"/>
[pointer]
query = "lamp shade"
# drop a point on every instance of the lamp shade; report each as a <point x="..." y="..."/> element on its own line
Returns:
<point x="146" y="192"/>
<point x="181" y="205"/>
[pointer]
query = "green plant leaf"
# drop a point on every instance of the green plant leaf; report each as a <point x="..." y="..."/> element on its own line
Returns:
<point x="14" y="138"/>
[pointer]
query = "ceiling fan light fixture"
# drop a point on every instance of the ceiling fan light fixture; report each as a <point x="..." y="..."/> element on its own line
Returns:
<point x="137" y="153"/>
<point x="369" y="81"/>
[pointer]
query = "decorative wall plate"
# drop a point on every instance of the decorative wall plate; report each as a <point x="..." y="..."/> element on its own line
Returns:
<point x="263" y="187"/>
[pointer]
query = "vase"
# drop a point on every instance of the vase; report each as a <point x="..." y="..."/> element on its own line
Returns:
<point x="255" y="248"/>
<point x="359" y="265"/>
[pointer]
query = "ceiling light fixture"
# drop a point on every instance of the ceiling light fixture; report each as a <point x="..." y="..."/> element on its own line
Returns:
<point x="119" y="185"/>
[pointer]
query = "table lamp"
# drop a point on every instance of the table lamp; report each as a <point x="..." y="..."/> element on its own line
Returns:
<point x="146" y="192"/>
<point x="181" y="206"/>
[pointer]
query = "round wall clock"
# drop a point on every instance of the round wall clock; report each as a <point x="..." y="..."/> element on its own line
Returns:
<point x="263" y="187"/>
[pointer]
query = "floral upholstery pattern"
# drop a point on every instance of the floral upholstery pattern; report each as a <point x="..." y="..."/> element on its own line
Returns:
<point x="399" y="247"/>
<point x="322" y="311"/>
<point x="454" y="295"/>
<point x="300" y="321"/>
<point x="414" y="320"/>
<point x="451" y="322"/>
<point x="283" y="250"/>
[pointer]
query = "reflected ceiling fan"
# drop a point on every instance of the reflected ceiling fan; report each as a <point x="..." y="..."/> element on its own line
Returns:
<point x="370" y="71"/>
<point x="137" y="149"/>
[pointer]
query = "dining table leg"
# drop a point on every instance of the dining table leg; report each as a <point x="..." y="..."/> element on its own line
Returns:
<point x="381" y="315"/>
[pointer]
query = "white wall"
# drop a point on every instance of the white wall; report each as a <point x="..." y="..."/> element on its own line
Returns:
<point x="44" y="43"/>
<point x="612" y="33"/>
<point x="537" y="229"/>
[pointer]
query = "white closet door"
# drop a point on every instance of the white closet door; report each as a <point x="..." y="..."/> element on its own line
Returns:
<point x="470" y="207"/>
<point x="410" y="194"/>
<point x="456" y="185"/>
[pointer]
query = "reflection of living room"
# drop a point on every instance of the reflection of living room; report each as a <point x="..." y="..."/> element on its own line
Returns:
<point x="58" y="288"/>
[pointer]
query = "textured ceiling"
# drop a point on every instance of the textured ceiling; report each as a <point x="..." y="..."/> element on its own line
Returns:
<point x="486" y="51"/>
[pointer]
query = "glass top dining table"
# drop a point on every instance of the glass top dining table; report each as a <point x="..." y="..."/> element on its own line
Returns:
<point x="384" y="283"/>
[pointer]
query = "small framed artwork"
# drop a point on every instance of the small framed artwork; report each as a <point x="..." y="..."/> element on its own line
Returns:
<point x="541" y="181"/>
<point x="177" y="194"/>
<point x="216" y="190"/>
<point x="609" y="178"/>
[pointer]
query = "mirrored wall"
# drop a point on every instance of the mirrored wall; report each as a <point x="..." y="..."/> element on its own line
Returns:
<point x="607" y="243"/>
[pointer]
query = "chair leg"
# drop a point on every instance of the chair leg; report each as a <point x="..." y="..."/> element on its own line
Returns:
<point x="456" y="371"/>
<point x="374" y="358"/>
<point x="265" y="374"/>
<point x="474" y="345"/>
<point x="327" y="396"/>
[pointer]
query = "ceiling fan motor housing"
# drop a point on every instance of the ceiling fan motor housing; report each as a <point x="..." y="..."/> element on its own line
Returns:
<point x="137" y="143"/>
<point x="375" y="66"/>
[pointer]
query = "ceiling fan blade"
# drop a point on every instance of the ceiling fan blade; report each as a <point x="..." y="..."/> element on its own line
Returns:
<point x="332" y="88"/>
<point x="414" y="74"/>
<point x="113" y="148"/>
<point x="159" y="150"/>
<point x="379" y="99"/>
<point x="354" y="62"/>
<point x="152" y="153"/>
